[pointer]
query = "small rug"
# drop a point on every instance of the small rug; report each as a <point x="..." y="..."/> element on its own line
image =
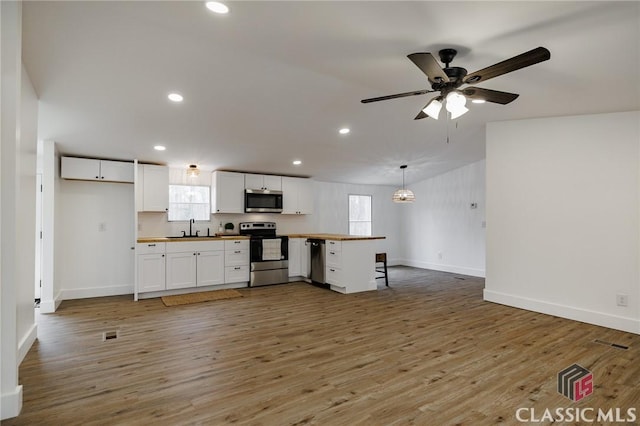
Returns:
<point x="204" y="296"/>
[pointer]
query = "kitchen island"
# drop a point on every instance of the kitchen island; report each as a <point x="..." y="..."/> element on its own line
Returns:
<point x="349" y="265"/>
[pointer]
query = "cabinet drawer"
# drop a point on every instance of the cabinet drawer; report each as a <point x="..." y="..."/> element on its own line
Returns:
<point x="236" y="257"/>
<point x="334" y="245"/>
<point x="333" y="258"/>
<point x="194" y="246"/>
<point x="236" y="274"/>
<point x="236" y="244"/>
<point x="333" y="276"/>
<point x="150" y="248"/>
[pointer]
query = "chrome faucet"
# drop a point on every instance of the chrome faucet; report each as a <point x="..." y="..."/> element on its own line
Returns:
<point x="191" y="221"/>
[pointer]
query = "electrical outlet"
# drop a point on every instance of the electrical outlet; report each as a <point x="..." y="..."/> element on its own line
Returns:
<point x="622" y="299"/>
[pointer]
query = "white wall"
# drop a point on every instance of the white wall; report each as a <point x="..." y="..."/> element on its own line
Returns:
<point x="563" y="217"/>
<point x="26" y="217"/>
<point x="441" y="231"/>
<point x="89" y="261"/>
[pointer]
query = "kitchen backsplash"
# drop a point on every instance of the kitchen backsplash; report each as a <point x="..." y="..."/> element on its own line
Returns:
<point x="156" y="224"/>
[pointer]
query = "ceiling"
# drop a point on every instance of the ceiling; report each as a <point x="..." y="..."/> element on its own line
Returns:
<point x="274" y="81"/>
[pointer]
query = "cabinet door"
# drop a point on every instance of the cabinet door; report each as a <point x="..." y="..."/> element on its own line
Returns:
<point x="181" y="270"/>
<point x="228" y="192"/>
<point x="80" y="168"/>
<point x="151" y="272"/>
<point x="272" y="183"/>
<point x="294" y="257"/>
<point x="116" y="171"/>
<point x="210" y="268"/>
<point x="305" y="196"/>
<point x="155" y="195"/>
<point x="289" y="195"/>
<point x="253" y="181"/>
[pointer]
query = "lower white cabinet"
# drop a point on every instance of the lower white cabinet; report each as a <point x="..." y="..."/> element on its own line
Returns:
<point x="187" y="264"/>
<point x="151" y="267"/>
<point x="299" y="257"/>
<point x="195" y="264"/>
<point x="350" y="265"/>
<point x="236" y="261"/>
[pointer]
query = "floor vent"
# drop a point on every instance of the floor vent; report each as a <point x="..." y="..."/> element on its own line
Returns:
<point x="109" y="335"/>
<point x="615" y="345"/>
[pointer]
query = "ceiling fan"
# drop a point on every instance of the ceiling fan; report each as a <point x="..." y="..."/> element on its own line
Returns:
<point x="448" y="80"/>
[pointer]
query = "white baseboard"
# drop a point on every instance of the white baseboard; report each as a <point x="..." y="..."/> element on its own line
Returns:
<point x="473" y="272"/>
<point x="11" y="403"/>
<point x="174" y="292"/>
<point x="629" y="325"/>
<point x="50" y="306"/>
<point x="84" y="293"/>
<point x="27" y="341"/>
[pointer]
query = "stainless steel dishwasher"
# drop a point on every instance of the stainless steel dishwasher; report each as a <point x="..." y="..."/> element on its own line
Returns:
<point x="317" y="260"/>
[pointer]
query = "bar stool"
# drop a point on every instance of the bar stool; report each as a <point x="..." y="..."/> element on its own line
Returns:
<point x="382" y="258"/>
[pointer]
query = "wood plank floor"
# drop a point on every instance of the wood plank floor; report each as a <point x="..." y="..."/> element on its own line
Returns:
<point x="427" y="351"/>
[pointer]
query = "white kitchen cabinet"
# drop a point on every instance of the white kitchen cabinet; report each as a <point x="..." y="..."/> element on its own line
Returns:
<point x="96" y="170"/>
<point x="210" y="268"/>
<point x="151" y="267"/>
<point x="270" y="182"/>
<point x="195" y="264"/>
<point x="155" y="188"/>
<point x="350" y="265"/>
<point x="299" y="257"/>
<point x="297" y="196"/>
<point x="227" y="192"/>
<point x="236" y="261"/>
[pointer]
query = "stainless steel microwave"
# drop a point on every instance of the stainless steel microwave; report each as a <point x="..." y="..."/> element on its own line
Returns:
<point x="262" y="201"/>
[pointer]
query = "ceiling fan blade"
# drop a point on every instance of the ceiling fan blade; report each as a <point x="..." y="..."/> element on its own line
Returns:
<point x="429" y="65"/>
<point x="526" y="59"/>
<point x="420" y="115"/>
<point x="488" y="95"/>
<point x="399" y="95"/>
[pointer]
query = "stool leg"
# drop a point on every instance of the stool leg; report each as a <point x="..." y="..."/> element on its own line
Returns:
<point x="386" y="276"/>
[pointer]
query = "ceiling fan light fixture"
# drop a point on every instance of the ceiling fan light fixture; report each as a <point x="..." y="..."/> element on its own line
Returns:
<point x="459" y="112"/>
<point x="403" y="195"/>
<point x="433" y="109"/>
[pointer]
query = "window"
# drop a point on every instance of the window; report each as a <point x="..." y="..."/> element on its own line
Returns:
<point x="189" y="202"/>
<point x="360" y="215"/>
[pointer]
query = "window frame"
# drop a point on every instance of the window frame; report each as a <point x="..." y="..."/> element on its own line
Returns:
<point x="208" y="204"/>
<point x="370" y="221"/>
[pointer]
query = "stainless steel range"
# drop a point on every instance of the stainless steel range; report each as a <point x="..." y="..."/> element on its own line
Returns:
<point x="269" y="253"/>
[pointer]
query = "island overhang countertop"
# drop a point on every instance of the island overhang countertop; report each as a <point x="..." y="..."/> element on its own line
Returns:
<point x="179" y="239"/>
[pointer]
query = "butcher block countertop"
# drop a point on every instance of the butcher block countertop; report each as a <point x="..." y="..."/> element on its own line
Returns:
<point x="338" y="237"/>
<point x="179" y="239"/>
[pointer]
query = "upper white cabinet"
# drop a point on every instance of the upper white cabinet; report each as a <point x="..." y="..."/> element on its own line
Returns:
<point x="227" y="192"/>
<point x="297" y="196"/>
<point x="267" y="182"/>
<point x="154" y="182"/>
<point x="98" y="170"/>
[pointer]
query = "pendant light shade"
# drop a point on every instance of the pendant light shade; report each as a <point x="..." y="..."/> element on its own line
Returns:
<point x="403" y="195"/>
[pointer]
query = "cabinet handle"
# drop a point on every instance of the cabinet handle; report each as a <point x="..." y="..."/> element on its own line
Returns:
<point x="237" y="268"/>
<point x="163" y="255"/>
<point x="332" y="252"/>
<point x="151" y="245"/>
<point x="194" y="254"/>
<point x="332" y="270"/>
<point x="236" y="242"/>
<point x="237" y="252"/>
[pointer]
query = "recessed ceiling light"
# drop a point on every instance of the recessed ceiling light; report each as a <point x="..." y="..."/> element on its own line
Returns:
<point x="478" y="101"/>
<point x="344" y="130"/>
<point x="217" y="7"/>
<point x="159" y="147"/>
<point x="175" y="97"/>
<point x="297" y="162"/>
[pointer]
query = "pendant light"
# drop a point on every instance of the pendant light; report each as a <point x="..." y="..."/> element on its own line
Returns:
<point x="403" y="195"/>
